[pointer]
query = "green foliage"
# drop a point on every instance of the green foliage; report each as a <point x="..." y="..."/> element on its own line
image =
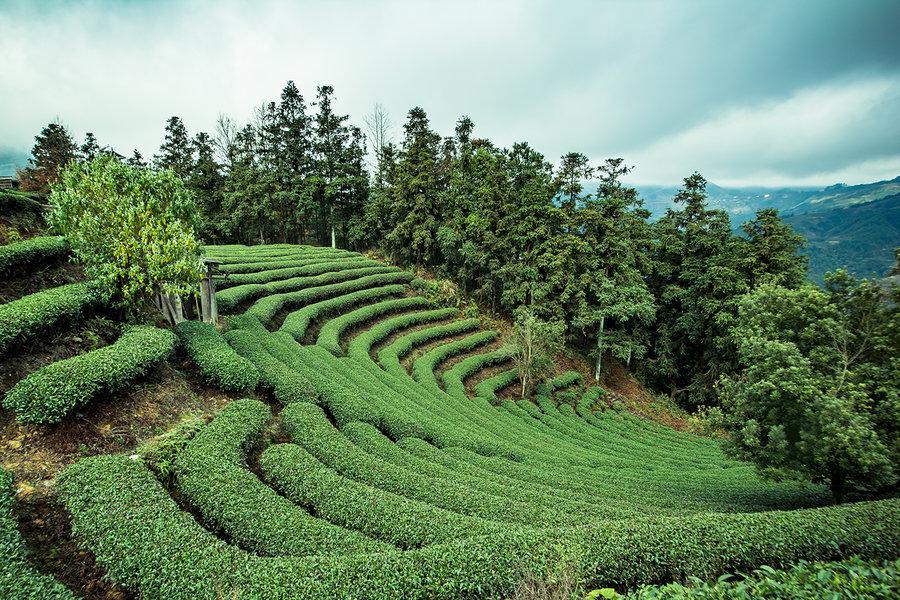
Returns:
<point x="34" y="314"/>
<point x="131" y="227"/>
<point x="297" y="322"/>
<point x="212" y="475"/>
<point x="533" y="346"/>
<point x="293" y="176"/>
<point x="465" y="498"/>
<point x="175" y="154"/>
<point x="18" y="579"/>
<point x="54" y="149"/>
<point x="50" y="393"/>
<point x="818" y="396"/>
<point x="489" y="387"/>
<point x="146" y="543"/>
<point x="331" y="332"/>
<point x="327" y="273"/>
<point x="772" y="251"/>
<point x="455" y="376"/>
<point x="616" y="304"/>
<point x="700" y="272"/>
<point x="217" y="361"/>
<point x="414" y="204"/>
<point x="37" y="250"/>
<point x="160" y="452"/>
<point x="852" y="578"/>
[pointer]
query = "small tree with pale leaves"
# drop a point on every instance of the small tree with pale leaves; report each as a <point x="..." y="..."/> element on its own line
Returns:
<point x="533" y="345"/>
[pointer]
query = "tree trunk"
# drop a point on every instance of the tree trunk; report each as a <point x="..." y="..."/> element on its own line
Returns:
<point x="838" y="482"/>
<point x="333" y="238"/>
<point x="600" y="349"/>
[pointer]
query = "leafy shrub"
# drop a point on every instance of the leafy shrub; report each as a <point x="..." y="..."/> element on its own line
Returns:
<point x="298" y="321"/>
<point x="266" y="308"/>
<point x="217" y="360"/>
<point x="293" y="268"/>
<point x="227" y="299"/>
<point x="131" y="227"/>
<point x="285" y="384"/>
<point x="390" y="355"/>
<point x="18" y="579"/>
<point x="307" y="426"/>
<point x="37" y="250"/>
<point x="568" y="397"/>
<point x="38" y="313"/>
<point x="50" y="393"/>
<point x="588" y="402"/>
<point x="147" y="544"/>
<point x="160" y="452"/>
<point x="362" y="344"/>
<point x="424" y="366"/>
<point x="489" y="387"/>
<point x="852" y="578"/>
<point x="454" y="377"/>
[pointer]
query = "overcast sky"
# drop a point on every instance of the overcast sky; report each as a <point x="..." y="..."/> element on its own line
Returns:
<point x="748" y="92"/>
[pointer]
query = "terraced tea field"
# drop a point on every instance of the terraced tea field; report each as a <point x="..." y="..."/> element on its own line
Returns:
<point x="388" y="462"/>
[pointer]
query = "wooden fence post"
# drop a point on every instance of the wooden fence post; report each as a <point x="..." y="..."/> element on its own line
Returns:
<point x="208" y="307"/>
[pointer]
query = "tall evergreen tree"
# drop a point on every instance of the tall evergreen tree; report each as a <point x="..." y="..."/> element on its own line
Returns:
<point x="772" y="252"/>
<point x="250" y="221"/>
<point x="53" y="149"/>
<point x="573" y="170"/>
<point x="205" y="182"/>
<point x="136" y="159"/>
<point x="697" y="280"/>
<point x="295" y="164"/>
<point x="340" y="183"/>
<point x="90" y="148"/>
<point x="176" y="152"/>
<point x="616" y="303"/>
<point x="533" y="273"/>
<point x="415" y="207"/>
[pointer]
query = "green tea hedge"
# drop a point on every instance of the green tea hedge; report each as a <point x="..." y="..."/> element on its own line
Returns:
<point x="27" y="253"/>
<point x="218" y="362"/>
<point x="851" y="578"/>
<point x="18" y="579"/>
<point x="50" y="393"/>
<point x="331" y="332"/>
<point x="212" y="475"/>
<point x="147" y="544"/>
<point x="25" y="318"/>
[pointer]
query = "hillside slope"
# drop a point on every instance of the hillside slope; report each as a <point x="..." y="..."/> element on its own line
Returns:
<point x="858" y="237"/>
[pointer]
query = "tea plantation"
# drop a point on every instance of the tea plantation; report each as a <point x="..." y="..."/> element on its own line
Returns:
<point x="377" y="456"/>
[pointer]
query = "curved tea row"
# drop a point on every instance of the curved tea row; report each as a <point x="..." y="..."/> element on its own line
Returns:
<point x="395" y="463"/>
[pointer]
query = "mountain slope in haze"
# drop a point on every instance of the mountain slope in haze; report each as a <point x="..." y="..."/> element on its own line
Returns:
<point x="10" y="160"/>
<point x="858" y="237"/>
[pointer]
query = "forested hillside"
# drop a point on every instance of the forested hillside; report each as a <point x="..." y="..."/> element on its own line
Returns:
<point x="860" y="237"/>
<point x="291" y="360"/>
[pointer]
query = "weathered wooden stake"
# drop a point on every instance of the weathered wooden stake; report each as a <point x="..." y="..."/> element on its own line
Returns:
<point x="208" y="307"/>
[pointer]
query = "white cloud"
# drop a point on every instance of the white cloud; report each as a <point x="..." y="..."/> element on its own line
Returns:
<point x="845" y="129"/>
<point x="657" y="82"/>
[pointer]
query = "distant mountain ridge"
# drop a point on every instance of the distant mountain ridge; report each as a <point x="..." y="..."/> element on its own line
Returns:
<point x="860" y="237"/>
<point x="741" y="204"/>
<point x="855" y="227"/>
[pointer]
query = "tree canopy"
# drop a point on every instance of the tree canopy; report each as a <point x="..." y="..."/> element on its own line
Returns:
<point x="132" y="228"/>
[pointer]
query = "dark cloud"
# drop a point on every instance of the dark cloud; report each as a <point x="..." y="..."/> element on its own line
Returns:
<point x="762" y="92"/>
